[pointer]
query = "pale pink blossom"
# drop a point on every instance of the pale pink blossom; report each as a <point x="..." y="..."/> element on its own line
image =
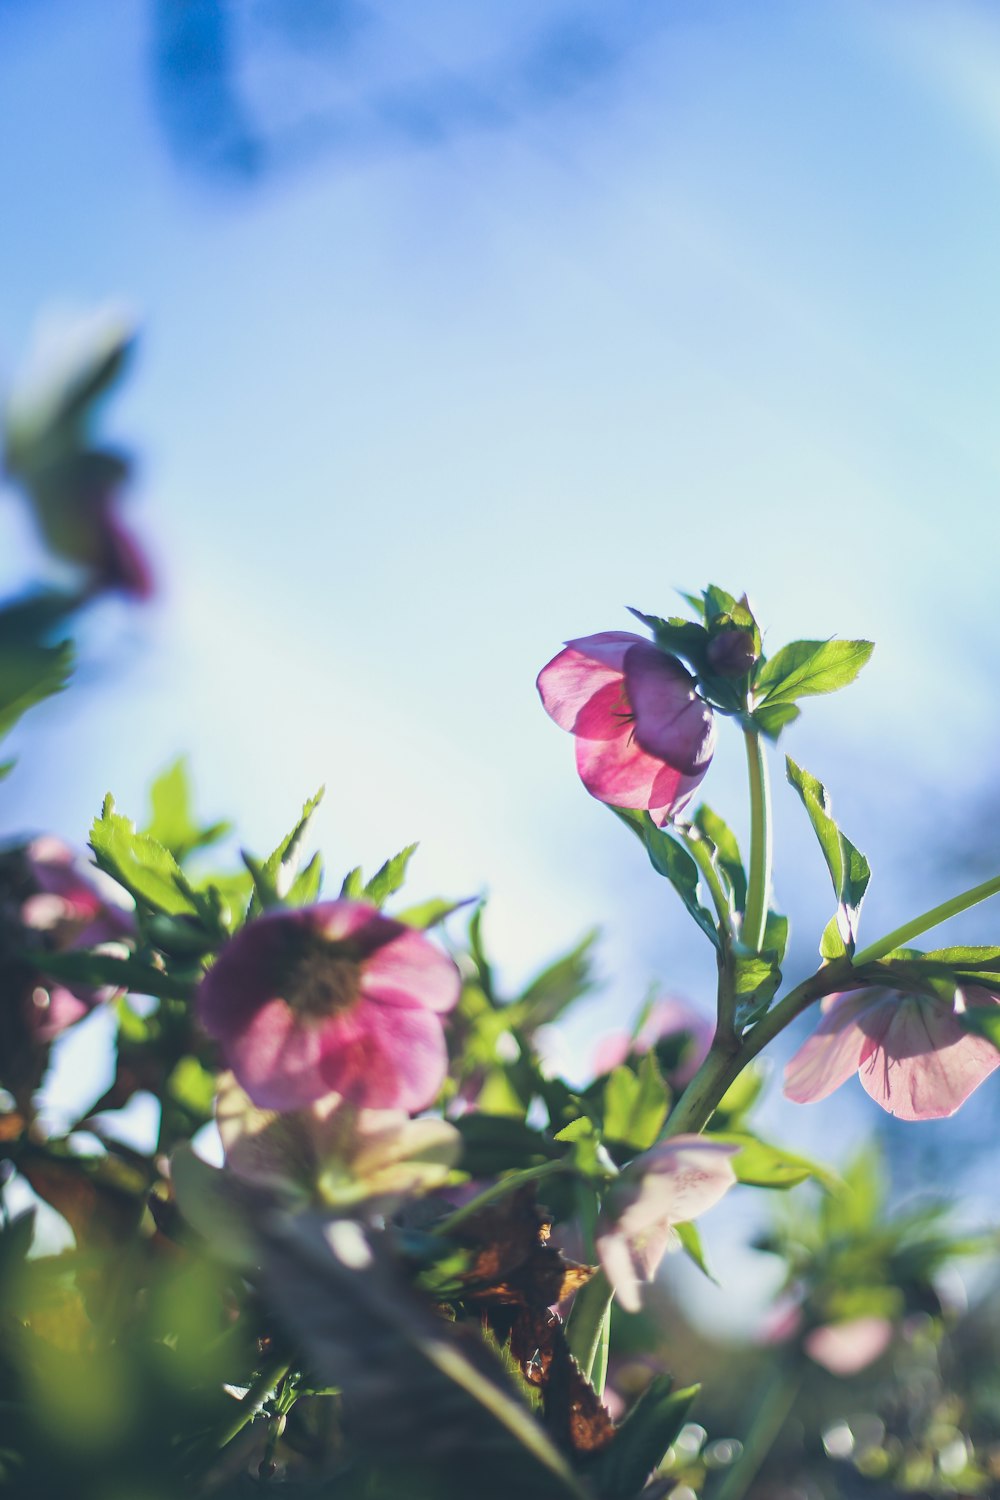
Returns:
<point x="848" y="1348"/>
<point x="667" y="1018"/>
<point x="644" y="739"/>
<point x="911" y="1052"/>
<point x="670" y="1184"/>
<point x="331" y="999"/>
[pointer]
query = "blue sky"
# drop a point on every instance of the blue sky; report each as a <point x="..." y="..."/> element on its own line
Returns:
<point x="464" y="328"/>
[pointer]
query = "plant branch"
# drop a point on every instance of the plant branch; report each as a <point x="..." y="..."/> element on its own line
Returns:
<point x="901" y="935"/>
<point x="759" y="886"/>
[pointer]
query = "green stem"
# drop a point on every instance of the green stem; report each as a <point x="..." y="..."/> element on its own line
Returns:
<point x="770" y="1418"/>
<point x="759" y="885"/>
<point x="931" y="918"/>
<point x="498" y="1189"/>
<point x="710" y="874"/>
<point x="255" y="1400"/>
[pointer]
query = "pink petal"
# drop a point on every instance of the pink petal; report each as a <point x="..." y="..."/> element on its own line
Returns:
<point x="619" y="1267"/>
<point x="671" y="792"/>
<point x="925" y="1064"/>
<point x="847" y="1348"/>
<point x="276" y="1057"/>
<point x="411" y="971"/>
<point x="619" y="772"/>
<point x="835" y="1049"/>
<point x="569" y="681"/>
<point x="671" y="721"/>
<point x="686" y="1176"/>
<point x="383" y="1057"/>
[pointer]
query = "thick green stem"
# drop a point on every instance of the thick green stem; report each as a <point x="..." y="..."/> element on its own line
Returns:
<point x="255" y="1400"/>
<point x="770" y="1418"/>
<point x="759" y="884"/>
<point x="932" y="918"/>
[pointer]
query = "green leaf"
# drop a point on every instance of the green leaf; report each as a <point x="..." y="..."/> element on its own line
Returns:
<point x="671" y="860"/>
<point x="776" y="935"/>
<point x="678" y="636"/>
<point x="429" y="913"/>
<point x="756" y="977"/>
<point x="274" y="878"/>
<point x="147" y="870"/>
<point x="557" y="986"/>
<point x="500" y="1143"/>
<point x="721" y="836"/>
<point x="635" y="1104"/>
<point x="806" y="668"/>
<point x="192" y="1086"/>
<point x="587" y="1152"/>
<point x="761" y="1165"/>
<point x="388" y="880"/>
<point x="642" y="1440"/>
<point x="338" y="1292"/>
<point x="97" y="970"/>
<point x="172" y="822"/>
<point x="983" y="1020"/>
<point x="690" y="1240"/>
<point x="771" y="719"/>
<point x="352" y="887"/>
<point x="30" y="672"/>
<point x="848" y="868"/>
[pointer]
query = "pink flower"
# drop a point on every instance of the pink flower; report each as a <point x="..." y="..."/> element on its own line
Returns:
<point x="667" y="1018"/>
<point x="331" y="999"/>
<point x="644" y="739"/>
<point x="62" y="910"/>
<point x="911" y="1052"/>
<point x="848" y="1348"/>
<point x="669" y="1184"/>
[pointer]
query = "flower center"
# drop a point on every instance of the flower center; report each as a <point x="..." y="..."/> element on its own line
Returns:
<point x="324" y="977"/>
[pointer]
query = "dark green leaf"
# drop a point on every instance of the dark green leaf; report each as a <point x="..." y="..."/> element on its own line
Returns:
<point x="30" y="672"/>
<point x="671" y="860"/>
<point x="678" y="636"/>
<point x="417" y="1387"/>
<point x="501" y="1143"/>
<point x="642" y="1439"/>
<point x="635" y="1104"/>
<point x="984" y="1020"/>
<point x="806" y="668"/>
<point x="97" y="970"/>
<point x="756" y="977"/>
<point x="848" y="867"/>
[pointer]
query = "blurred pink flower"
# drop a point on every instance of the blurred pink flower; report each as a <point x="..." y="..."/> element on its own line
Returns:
<point x="64" y="911"/>
<point x="911" y="1052"/>
<point x="848" y="1348"/>
<point x="673" y="1182"/>
<point x="644" y="739"/>
<point x="667" y="1018"/>
<point x="331" y="999"/>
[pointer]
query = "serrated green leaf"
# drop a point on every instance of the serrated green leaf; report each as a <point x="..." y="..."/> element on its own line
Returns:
<point x="672" y="861"/>
<point x="678" y="636"/>
<point x="147" y="870"/>
<point x="429" y="913"/>
<point x="352" y="886"/>
<point x="552" y="991"/>
<point x="849" y="870"/>
<point x="306" y="886"/>
<point x="642" y="1440"/>
<point x="273" y="879"/>
<point x="730" y="861"/>
<point x="388" y="880"/>
<point x="172" y="822"/>
<point x="756" y="977"/>
<point x="806" y="668"/>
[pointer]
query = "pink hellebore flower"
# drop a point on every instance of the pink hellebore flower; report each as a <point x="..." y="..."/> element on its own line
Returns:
<point x="64" y="911"/>
<point x="911" y="1052"/>
<point x="669" y="1184"/>
<point x="331" y="999"/>
<point x="848" y="1348"/>
<point x="644" y="739"/>
<point x="667" y="1018"/>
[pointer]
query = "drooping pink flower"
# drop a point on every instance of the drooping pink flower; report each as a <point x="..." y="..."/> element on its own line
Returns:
<point x="331" y="999"/>
<point x="667" y="1018"/>
<point x="644" y="739"/>
<point x="672" y="1183"/>
<point x="848" y="1348"/>
<point x="911" y="1052"/>
<point x="61" y="910"/>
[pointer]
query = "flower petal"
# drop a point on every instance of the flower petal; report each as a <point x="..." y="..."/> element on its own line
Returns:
<point x="671" y="721"/>
<point x="847" y="1348"/>
<point x="383" y="1057"/>
<point x="410" y="970"/>
<point x="620" y="772"/>
<point x="925" y="1064"/>
<point x="835" y="1049"/>
<point x="276" y="1055"/>
<point x="569" y="681"/>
